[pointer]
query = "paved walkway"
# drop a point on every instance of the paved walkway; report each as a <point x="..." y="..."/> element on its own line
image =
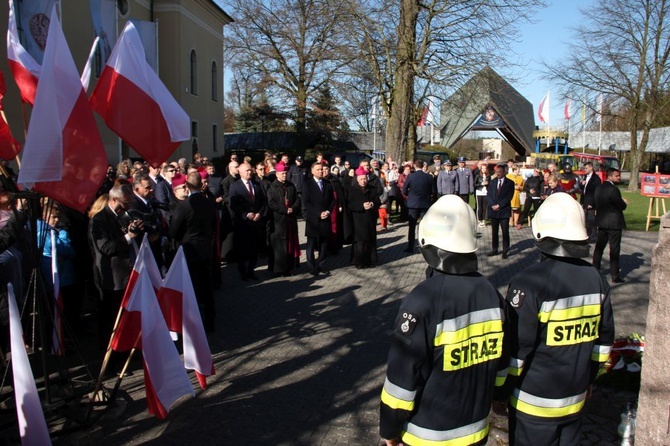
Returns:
<point x="301" y="360"/>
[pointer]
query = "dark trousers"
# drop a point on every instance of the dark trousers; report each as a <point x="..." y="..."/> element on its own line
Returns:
<point x="591" y="228"/>
<point x="201" y="277"/>
<point x="465" y="197"/>
<point x="503" y="223"/>
<point x="525" y="430"/>
<point x="108" y="308"/>
<point x="613" y="237"/>
<point x="527" y="206"/>
<point x="482" y="206"/>
<point x="319" y="244"/>
<point x="414" y="215"/>
<point x="248" y="242"/>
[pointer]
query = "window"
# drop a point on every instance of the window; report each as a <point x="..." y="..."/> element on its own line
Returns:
<point x="215" y="132"/>
<point x="215" y="83"/>
<point x="194" y="129"/>
<point x="194" y="73"/>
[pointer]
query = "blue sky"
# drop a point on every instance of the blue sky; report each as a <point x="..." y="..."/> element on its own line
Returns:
<point x="547" y="39"/>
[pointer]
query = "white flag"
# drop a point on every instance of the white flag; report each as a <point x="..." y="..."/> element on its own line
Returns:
<point x="543" y="109"/>
<point x="32" y="425"/>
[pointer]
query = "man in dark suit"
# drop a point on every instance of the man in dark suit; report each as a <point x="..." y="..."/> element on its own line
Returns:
<point x="248" y="205"/>
<point x="499" y="194"/>
<point x="163" y="193"/>
<point x="111" y="244"/>
<point x="610" y="222"/>
<point x="419" y="189"/>
<point x="144" y="204"/>
<point x="193" y="227"/>
<point x="589" y="184"/>
<point x="317" y="199"/>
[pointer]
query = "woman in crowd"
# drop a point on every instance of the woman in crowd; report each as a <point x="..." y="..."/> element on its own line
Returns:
<point x="481" y="184"/>
<point x="402" y="198"/>
<point x="517" y="179"/>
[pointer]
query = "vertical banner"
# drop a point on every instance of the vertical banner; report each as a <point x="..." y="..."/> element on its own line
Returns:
<point x="33" y="17"/>
<point x="104" y="18"/>
<point x="147" y="32"/>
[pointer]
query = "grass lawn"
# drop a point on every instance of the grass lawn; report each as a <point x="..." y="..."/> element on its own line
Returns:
<point x="636" y="212"/>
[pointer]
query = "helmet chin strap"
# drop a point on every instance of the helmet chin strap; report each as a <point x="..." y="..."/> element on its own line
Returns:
<point x="564" y="248"/>
<point x="449" y="262"/>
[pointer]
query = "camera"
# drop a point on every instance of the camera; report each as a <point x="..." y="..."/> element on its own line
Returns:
<point x="151" y="221"/>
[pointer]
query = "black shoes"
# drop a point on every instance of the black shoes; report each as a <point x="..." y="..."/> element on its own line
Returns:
<point x="618" y="280"/>
<point x="324" y="271"/>
<point x="492" y="254"/>
<point x="505" y="255"/>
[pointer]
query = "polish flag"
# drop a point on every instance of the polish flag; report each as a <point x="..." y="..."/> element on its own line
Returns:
<point x="127" y="333"/>
<point x="32" y="425"/>
<point x="135" y="104"/>
<point x="9" y="147"/>
<point x="63" y="155"/>
<point x="567" y="113"/>
<point x="23" y="66"/>
<point x="57" y="339"/>
<point x="180" y="309"/>
<point x="543" y="109"/>
<point x="164" y="376"/>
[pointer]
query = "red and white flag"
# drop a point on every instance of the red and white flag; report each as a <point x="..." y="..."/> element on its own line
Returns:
<point x="127" y="333"/>
<point x="164" y="376"/>
<point x="599" y="115"/>
<point x="23" y="66"/>
<point x="57" y="339"/>
<point x="63" y="155"/>
<point x="135" y="104"/>
<point x="9" y="147"/>
<point x="180" y="308"/>
<point x="567" y="112"/>
<point x="32" y="425"/>
<point x="543" y="109"/>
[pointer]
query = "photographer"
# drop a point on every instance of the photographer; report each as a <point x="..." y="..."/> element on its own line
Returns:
<point x="111" y="233"/>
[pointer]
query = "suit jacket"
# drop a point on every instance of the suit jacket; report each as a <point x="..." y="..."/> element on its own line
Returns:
<point x="609" y="207"/>
<point x="466" y="180"/>
<point x="419" y="188"/>
<point x="111" y="251"/>
<point x="315" y="202"/>
<point x="163" y="193"/>
<point x="502" y="198"/>
<point x="193" y="226"/>
<point x="242" y="204"/>
<point x="588" y="197"/>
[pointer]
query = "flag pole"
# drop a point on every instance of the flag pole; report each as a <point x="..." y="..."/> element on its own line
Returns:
<point x="105" y="363"/>
<point x="122" y="374"/>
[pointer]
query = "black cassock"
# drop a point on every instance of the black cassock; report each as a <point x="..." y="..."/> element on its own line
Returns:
<point x="284" y="227"/>
<point x="365" y="224"/>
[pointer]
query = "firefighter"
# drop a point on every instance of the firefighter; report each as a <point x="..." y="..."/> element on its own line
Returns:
<point x="446" y="356"/>
<point x="560" y="330"/>
<point x="569" y="181"/>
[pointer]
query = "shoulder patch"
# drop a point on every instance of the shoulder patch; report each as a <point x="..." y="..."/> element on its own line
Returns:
<point x="516" y="297"/>
<point x="407" y="323"/>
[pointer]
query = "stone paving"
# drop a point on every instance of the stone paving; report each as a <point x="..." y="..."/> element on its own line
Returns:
<point x="301" y="360"/>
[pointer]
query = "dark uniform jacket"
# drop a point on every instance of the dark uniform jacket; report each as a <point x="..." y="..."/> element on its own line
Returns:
<point x="281" y="197"/>
<point x="561" y="329"/>
<point x="445" y="362"/>
<point x="365" y="221"/>
<point x="111" y="251"/>
<point x="609" y="207"/>
<point x="193" y="226"/>
<point x="447" y="183"/>
<point x="588" y="197"/>
<point x="502" y="198"/>
<point x="419" y="188"/>
<point x="315" y="202"/>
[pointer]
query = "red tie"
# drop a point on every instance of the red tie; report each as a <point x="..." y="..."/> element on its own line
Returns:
<point x="251" y="189"/>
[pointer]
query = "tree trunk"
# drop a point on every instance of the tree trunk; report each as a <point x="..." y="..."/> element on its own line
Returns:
<point x="400" y="117"/>
<point x="301" y="111"/>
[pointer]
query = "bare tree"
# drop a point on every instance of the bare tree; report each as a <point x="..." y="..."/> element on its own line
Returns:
<point x="295" y="46"/>
<point x="622" y="51"/>
<point x="415" y="47"/>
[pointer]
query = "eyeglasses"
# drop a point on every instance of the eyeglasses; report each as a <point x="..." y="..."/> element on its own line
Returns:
<point x="171" y="170"/>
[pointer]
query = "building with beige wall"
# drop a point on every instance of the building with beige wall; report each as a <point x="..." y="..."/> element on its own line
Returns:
<point x="189" y="59"/>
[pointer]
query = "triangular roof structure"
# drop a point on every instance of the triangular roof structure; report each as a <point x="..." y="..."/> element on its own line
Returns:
<point x="488" y="90"/>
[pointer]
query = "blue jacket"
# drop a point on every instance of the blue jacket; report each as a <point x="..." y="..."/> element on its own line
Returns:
<point x="419" y="189"/>
<point x="64" y="250"/>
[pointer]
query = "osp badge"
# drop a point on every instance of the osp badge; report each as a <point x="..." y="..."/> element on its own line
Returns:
<point x="517" y="299"/>
<point x="408" y="323"/>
